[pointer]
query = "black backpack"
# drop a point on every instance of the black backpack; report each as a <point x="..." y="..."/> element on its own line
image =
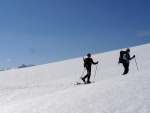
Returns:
<point x="84" y="60"/>
<point x="121" y="60"/>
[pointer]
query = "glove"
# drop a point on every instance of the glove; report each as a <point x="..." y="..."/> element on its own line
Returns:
<point x="133" y="56"/>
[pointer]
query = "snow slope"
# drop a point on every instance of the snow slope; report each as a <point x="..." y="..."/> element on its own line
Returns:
<point x="51" y="88"/>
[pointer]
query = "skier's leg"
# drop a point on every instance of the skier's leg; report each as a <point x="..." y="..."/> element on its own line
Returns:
<point x="89" y="75"/>
<point x="127" y="68"/>
<point x="124" y="68"/>
<point x="86" y="76"/>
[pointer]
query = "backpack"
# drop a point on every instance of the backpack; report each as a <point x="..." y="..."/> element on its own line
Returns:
<point x="84" y="60"/>
<point x="121" y="60"/>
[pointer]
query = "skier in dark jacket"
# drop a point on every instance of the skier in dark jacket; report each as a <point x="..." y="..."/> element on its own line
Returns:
<point x="87" y="64"/>
<point x="126" y="58"/>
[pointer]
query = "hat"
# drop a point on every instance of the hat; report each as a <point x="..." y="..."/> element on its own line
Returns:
<point x="127" y="49"/>
<point x="88" y="54"/>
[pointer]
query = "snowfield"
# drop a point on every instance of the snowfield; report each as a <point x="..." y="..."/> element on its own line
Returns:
<point x="51" y="88"/>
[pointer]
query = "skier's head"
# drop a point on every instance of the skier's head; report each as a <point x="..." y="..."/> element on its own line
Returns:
<point x="88" y="55"/>
<point x="128" y="50"/>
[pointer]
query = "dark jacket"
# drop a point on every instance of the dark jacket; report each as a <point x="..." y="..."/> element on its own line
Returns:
<point x="88" y="62"/>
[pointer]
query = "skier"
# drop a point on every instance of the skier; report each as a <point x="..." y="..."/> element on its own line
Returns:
<point x="87" y="64"/>
<point x="126" y="62"/>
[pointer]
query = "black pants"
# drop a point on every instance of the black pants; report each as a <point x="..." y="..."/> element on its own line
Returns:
<point x="126" y="68"/>
<point x="88" y="74"/>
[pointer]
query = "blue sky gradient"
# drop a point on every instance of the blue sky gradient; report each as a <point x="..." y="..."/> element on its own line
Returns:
<point x="44" y="31"/>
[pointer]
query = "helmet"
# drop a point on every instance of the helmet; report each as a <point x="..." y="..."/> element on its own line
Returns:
<point x="88" y="54"/>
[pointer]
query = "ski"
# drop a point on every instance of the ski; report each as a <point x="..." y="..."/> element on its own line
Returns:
<point x="79" y="83"/>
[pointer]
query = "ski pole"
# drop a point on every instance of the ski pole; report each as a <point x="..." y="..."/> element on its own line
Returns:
<point x="136" y="65"/>
<point x="95" y="73"/>
<point x="81" y="76"/>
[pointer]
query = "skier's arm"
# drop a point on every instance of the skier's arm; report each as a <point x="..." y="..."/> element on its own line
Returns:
<point x="126" y="58"/>
<point x="132" y="57"/>
<point x="94" y="62"/>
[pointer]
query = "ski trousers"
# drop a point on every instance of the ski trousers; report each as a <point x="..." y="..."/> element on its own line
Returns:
<point x="88" y="73"/>
<point x="126" y="68"/>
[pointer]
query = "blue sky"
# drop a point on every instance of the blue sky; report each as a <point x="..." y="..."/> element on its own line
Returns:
<point x="44" y="31"/>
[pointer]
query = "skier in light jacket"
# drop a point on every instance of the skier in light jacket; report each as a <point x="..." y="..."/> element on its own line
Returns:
<point x="127" y="58"/>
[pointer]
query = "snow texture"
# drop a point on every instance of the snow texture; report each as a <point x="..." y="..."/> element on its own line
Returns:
<point x="51" y="88"/>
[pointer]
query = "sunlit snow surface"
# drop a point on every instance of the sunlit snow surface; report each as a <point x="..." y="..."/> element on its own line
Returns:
<point x="51" y="88"/>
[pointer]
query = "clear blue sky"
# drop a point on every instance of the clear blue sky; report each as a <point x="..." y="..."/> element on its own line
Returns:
<point x="44" y="31"/>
